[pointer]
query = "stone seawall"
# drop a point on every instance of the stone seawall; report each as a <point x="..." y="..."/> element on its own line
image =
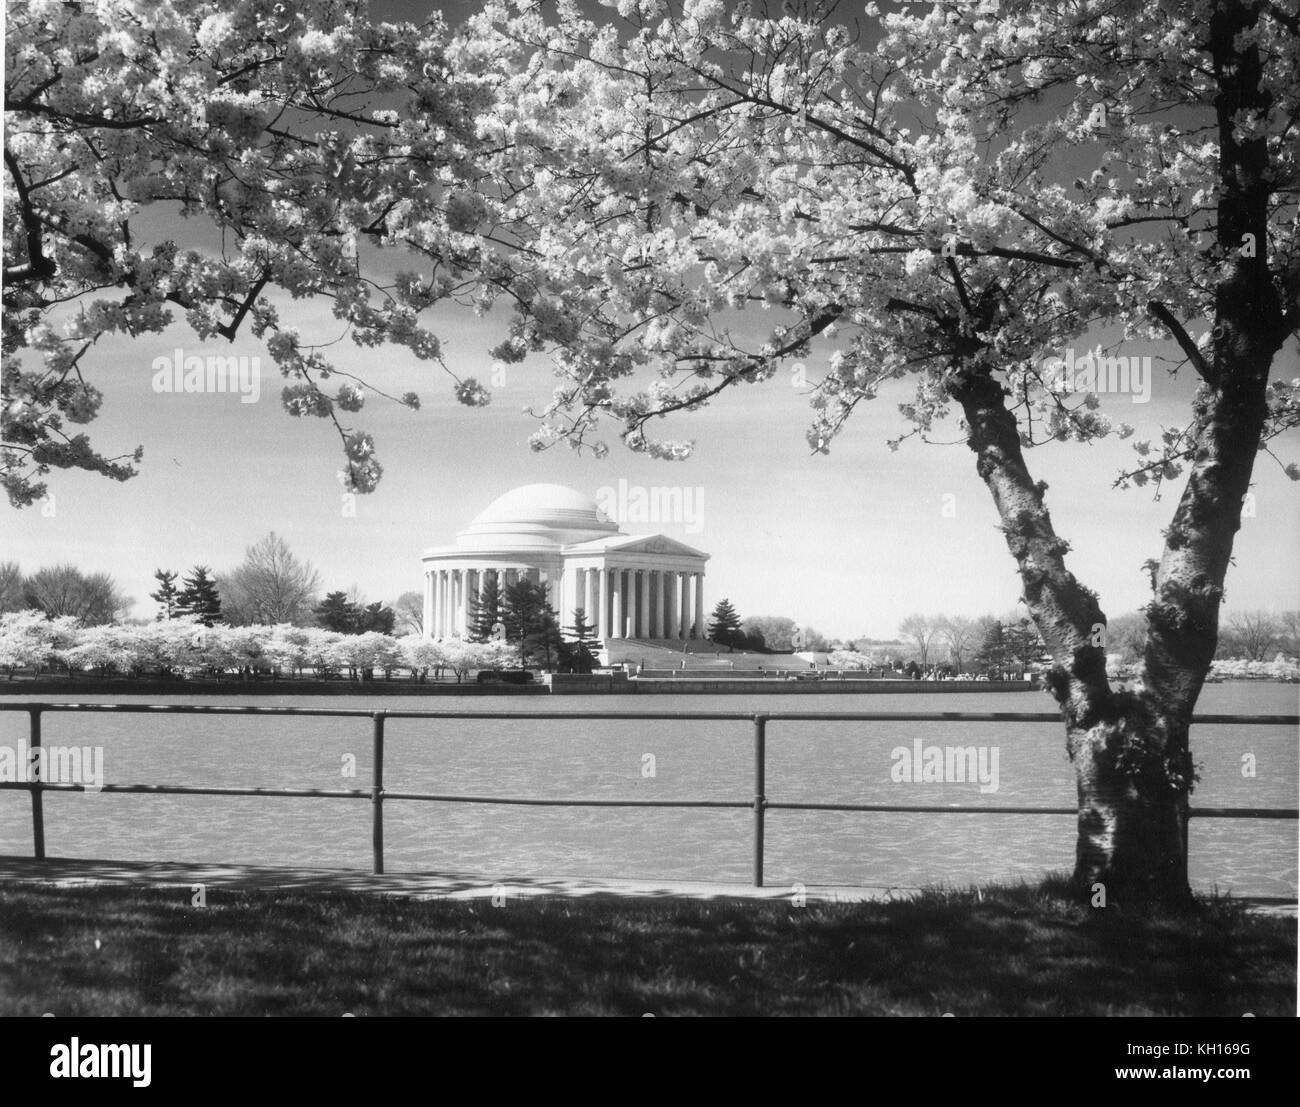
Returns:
<point x="617" y="684"/>
<point x="559" y="685"/>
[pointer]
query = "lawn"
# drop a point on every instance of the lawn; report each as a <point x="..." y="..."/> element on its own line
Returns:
<point x="1021" y="950"/>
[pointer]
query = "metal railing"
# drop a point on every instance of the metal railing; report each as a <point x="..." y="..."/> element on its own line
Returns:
<point x="759" y="803"/>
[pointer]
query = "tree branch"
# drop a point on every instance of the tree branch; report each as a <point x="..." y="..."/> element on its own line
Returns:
<point x="1185" y="343"/>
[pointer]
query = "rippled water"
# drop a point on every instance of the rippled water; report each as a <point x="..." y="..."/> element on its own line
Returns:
<point x="711" y="760"/>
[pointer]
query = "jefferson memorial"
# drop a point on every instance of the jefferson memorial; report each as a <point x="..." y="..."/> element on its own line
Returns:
<point x="629" y="586"/>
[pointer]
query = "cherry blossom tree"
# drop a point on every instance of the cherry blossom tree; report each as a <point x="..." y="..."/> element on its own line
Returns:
<point x="420" y="655"/>
<point x="904" y="197"/>
<point x="851" y="659"/>
<point x="464" y="657"/>
<point x="30" y="639"/>
<point x="287" y="143"/>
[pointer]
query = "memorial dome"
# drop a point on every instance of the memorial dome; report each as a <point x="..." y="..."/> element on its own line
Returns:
<point x="537" y="515"/>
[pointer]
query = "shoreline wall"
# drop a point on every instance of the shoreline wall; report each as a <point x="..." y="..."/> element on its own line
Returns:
<point x="565" y="685"/>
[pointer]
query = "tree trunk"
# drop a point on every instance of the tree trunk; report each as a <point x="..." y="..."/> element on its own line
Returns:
<point x="1133" y="784"/>
<point x="1131" y="759"/>
<point x="1131" y="750"/>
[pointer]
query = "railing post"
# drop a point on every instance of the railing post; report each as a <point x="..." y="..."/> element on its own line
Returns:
<point x="36" y="786"/>
<point x="377" y="794"/>
<point x="760" y="797"/>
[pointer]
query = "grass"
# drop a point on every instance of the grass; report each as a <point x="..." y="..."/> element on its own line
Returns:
<point x="1012" y="950"/>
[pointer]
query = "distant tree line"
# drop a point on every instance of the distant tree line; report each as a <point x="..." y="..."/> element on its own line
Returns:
<point x="272" y="586"/>
<point x="946" y="643"/>
<point x="63" y="590"/>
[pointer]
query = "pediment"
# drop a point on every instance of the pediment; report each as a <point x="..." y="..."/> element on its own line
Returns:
<point x="651" y="544"/>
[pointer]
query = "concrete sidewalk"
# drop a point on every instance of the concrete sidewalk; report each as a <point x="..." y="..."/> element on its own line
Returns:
<point x="66" y="872"/>
<point x="69" y="872"/>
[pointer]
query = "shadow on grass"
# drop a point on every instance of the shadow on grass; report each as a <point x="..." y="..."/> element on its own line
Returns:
<point x="1022" y="950"/>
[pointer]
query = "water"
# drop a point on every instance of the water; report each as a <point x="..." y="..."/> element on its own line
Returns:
<point x="812" y="762"/>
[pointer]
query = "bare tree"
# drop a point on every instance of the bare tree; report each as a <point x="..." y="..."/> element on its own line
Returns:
<point x="271" y="586"/>
<point x="777" y="630"/>
<point x="409" y="607"/>
<point x="1255" y="633"/>
<point x="1290" y="621"/>
<point x="921" y="631"/>
<point x="66" y="590"/>
<point x="958" y="632"/>
<point x="11" y="587"/>
<point x="1126" y="634"/>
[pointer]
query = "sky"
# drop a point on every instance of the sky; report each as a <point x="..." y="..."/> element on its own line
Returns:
<point x="848" y="543"/>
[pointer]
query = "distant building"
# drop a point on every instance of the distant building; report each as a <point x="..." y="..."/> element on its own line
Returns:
<point x="647" y="587"/>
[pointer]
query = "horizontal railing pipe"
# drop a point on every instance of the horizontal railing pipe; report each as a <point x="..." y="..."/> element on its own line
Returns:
<point x="775" y="716"/>
<point x="758" y="803"/>
<point x="564" y="801"/>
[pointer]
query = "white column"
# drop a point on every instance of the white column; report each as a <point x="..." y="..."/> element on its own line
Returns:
<point x="643" y="619"/>
<point x="471" y="590"/>
<point x="699" y="605"/>
<point x="670" y="605"/>
<point x="657" y="610"/>
<point x="471" y="584"/>
<point x="426" y="618"/>
<point x="629" y="603"/>
<point x="600" y="582"/>
<point x="449" y="621"/>
<point x="578" y="594"/>
<point x="686" y="605"/>
<point x="616" y="604"/>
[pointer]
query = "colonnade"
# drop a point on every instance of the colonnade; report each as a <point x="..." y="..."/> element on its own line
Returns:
<point x="447" y="595"/>
<point x="640" y="603"/>
<point x="618" y="602"/>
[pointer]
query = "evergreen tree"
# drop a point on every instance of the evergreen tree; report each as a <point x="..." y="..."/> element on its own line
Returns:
<point x="374" y="616"/>
<point x="199" y="596"/>
<point x="167" y="594"/>
<point x="546" y="644"/>
<point x="578" y="654"/>
<point x="337" y="613"/>
<point x="993" y="653"/>
<point x="725" y="625"/>
<point x="531" y="621"/>
<point x="485" y="610"/>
